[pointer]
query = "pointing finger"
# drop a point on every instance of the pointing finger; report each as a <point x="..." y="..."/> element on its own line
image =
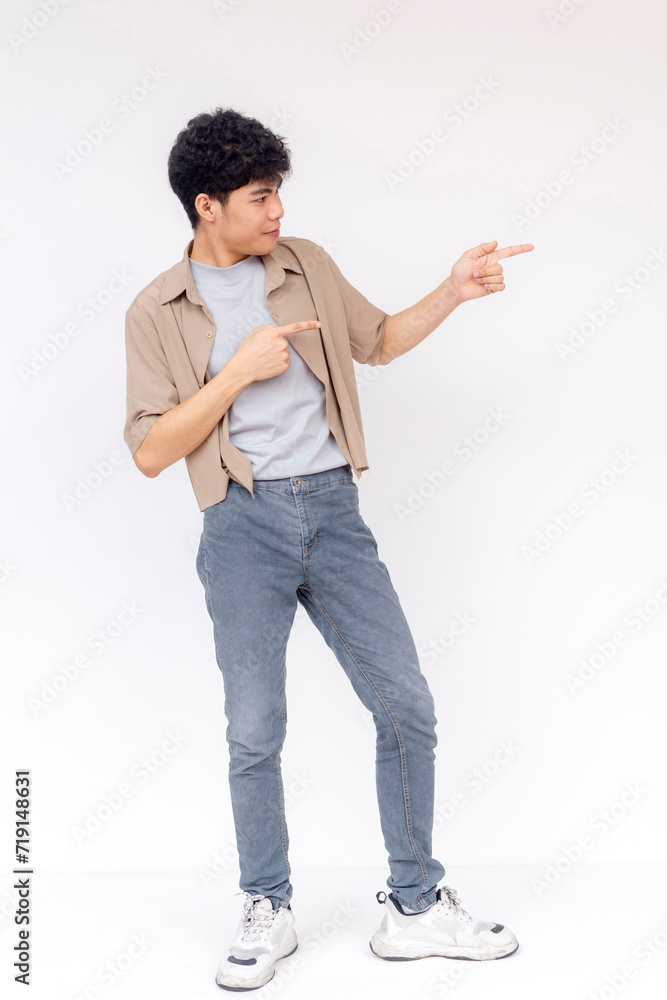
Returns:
<point x="512" y="251"/>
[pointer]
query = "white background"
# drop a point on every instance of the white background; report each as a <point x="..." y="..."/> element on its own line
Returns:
<point x="356" y="103"/>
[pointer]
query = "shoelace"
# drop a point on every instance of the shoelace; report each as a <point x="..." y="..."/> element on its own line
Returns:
<point x="256" y="922"/>
<point x="453" y="902"/>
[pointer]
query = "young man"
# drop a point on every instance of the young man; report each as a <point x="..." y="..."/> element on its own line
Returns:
<point x="239" y="359"/>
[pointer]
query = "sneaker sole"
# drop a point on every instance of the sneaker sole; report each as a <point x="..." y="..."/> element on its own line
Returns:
<point x="452" y="952"/>
<point x="258" y="986"/>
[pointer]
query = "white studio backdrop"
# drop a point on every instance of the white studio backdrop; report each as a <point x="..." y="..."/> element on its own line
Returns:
<point x="517" y="477"/>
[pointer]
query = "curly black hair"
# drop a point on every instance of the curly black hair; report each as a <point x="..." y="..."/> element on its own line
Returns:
<point x="221" y="151"/>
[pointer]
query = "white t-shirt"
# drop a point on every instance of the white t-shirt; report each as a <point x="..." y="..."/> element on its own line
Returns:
<point x="280" y="423"/>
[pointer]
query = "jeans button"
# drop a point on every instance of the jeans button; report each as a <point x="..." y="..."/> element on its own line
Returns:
<point x="297" y="482"/>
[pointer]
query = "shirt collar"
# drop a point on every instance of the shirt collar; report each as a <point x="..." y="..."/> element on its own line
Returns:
<point x="179" y="278"/>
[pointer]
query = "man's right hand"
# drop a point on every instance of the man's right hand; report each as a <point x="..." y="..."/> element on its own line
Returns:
<point x="265" y="351"/>
<point x="178" y="431"/>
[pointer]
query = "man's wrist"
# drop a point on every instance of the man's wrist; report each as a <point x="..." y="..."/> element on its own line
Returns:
<point x="236" y="374"/>
<point x="450" y="292"/>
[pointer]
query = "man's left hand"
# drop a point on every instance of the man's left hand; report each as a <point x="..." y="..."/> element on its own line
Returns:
<point x="478" y="272"/>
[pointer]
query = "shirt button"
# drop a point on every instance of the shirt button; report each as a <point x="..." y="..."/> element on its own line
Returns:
<point x="209" y="333"/>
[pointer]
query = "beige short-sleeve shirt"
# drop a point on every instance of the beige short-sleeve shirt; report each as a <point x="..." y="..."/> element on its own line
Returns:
<point x="169" y="334"/>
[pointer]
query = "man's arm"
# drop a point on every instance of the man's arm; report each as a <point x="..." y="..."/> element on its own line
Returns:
<point x="181" y="429"/>
<point x="406" y="329"/>
<point x="475" y="274"/>
<point x="158" y="429"/>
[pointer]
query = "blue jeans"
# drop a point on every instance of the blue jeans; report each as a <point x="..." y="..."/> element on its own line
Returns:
<point x="304" y="539"/>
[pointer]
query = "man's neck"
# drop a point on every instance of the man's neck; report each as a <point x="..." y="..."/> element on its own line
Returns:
<point x="214" y="254"/>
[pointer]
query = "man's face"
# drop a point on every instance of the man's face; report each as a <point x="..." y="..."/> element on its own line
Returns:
<point x="250" y="224"/>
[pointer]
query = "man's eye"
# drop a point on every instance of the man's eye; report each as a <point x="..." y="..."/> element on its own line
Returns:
<point x="260" y="199"/>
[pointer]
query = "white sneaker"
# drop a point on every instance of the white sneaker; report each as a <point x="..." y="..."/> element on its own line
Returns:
<point x="263" y="936"/>
<point x="444" y="929"/>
